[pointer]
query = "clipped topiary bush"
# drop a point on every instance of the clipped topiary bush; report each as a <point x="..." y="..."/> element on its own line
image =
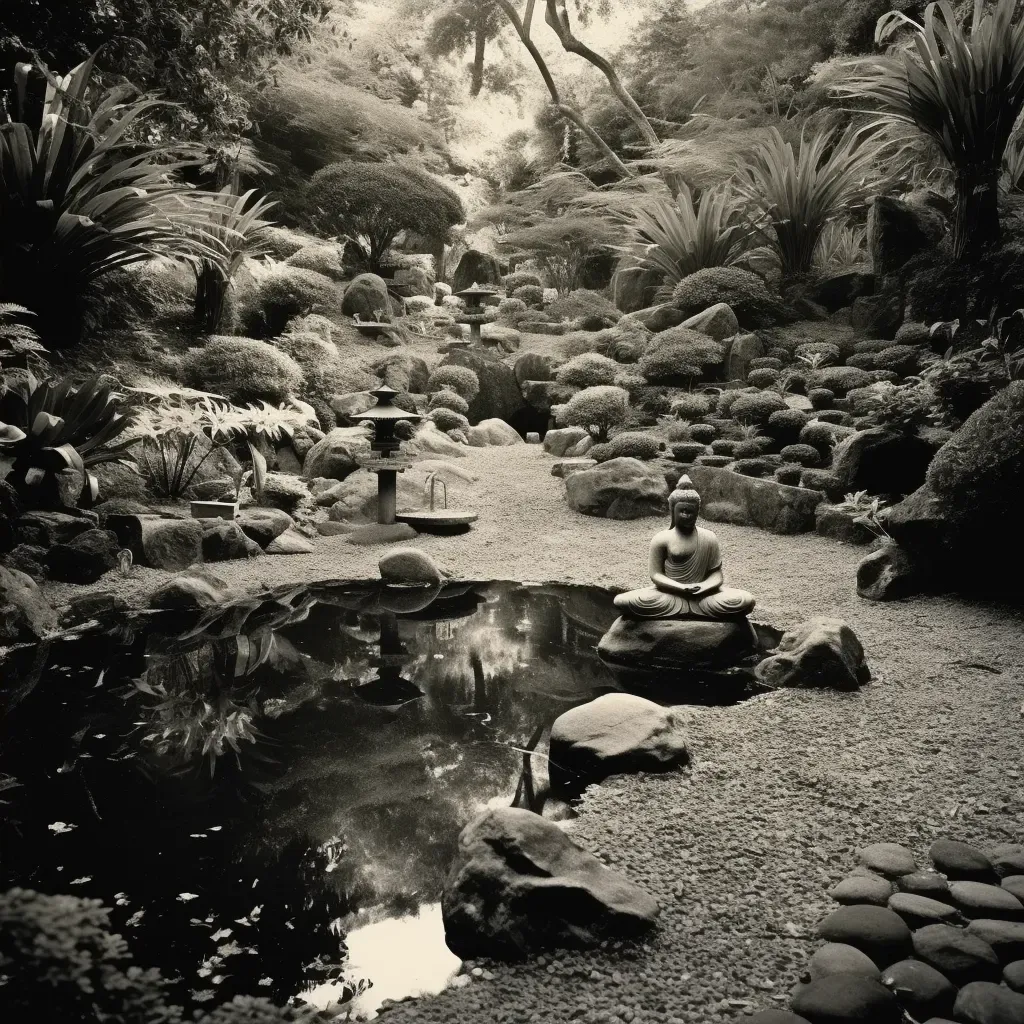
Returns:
<point x="448" y="419"/>
<point x="752" y="448"/>
<point x="715" y="461"/>
<point x="724" y="446"/>
<point x="753" y="466"/>
<point x="687" y="451"/>
<point x="324" y="258"/>
<point x="513" y="312"/>
<point x="871" y="345"/>
<point x="904" y="360"/>
<point x="597" y="408"/>
<point x="631" y="382"/>
<point x="763" y="378"/>
<point x="766" y="363"/>
<point x="841" y="379"/>
<point x="577" y="343"/>
<point x="518" y="278"/>
<point x="587" y="370"/>
<point x="243" y="370"/>
<point x="321" y="368"/>
<point x="786" y="424"/>
<point x="625" y="342"/>
<point x="819" y="435"/>
<point x="821" y="398"/>
<point x="863" y="360"/>
<point x="283" y="294"/>
<point x="727" y="398"/>
<point x="680" y="354"/>
<point x="803" y="454"/>
<point x="460" y="379"/>
<point x="912" y="333"/>
<point x="703" y="432"/>
<point x="692" y="406"/>
<point x="789" y="474"/>
<point x="823" y="480"/>
<point x="591" y="309"/>
<point x="833" y="416"/>
<point x="754" y="305"/>
<point x="783" y="355"/>
<point x="531" y="294"/>
<point x="448" y="399"/>
<point x="629" y="444"/>
<point x="756" y="407"/>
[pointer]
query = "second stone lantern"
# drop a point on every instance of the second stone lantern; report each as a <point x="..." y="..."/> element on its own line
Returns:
<point x="385" y="460"/>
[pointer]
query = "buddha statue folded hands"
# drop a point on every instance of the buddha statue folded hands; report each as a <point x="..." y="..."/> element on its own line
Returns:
<point x="686" y="570"/>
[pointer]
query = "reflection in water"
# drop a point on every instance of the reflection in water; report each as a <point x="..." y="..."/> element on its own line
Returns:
<point x="269" y="797"/>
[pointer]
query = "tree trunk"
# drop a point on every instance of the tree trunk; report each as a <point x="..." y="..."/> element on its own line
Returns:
<point x="976" y="211"/>
<point x="477" y="82"/>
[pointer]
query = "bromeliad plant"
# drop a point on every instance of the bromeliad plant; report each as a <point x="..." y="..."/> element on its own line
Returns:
<point x="55" y="432"/>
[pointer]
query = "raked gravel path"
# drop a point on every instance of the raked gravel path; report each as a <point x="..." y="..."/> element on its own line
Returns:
<point x="741" y="847"/>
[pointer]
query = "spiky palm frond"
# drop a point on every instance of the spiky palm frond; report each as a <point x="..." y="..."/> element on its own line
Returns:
<point x="841" y="245"/>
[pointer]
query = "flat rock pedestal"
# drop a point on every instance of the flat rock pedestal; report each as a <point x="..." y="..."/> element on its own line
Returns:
<point x="677" y="645"/>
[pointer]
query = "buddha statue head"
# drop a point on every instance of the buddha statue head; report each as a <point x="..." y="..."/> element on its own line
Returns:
<point x="684" y="505"/>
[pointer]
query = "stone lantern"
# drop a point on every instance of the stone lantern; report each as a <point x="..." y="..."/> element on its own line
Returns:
<point x="385" y="416"/>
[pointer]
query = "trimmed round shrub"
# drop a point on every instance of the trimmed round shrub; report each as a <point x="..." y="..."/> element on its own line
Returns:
<point x="796" y="382"/>
<point x="651" y="400"/>
<point x="715" y="461"/>
<point x="785" y="425"/>
<point x="669" y="365"/>
<point x="687" y="451"/>
<point x="631" y="382"/>
<point x="821" y="398"/>
<point x="823" y="480"/>
<point x="727" y="398"/>
<point x="819" y="435"/>
<point x="324" y="258"/>
<point x="629" y="444"/>
<point x="531" y="294"/>
<point x="692" y="406"/>
<point x="912" y="333"/>
<point x="753" y="467"/>
<point x="763" y="378"/>
<point x="703" y="432"/>
<point x="321" y="367"/>
<point x="828" y="351"/>
<point x="751" y="448"/>
<point x="285" y="293"/>
<point x="577" y="343"/>
<point x="513" y="311"/>
<point x="804" y="454"/>
<point x="448" y="399"/>
<point x="724" y="446"/>
<point x="901" y="359"/>
<point x="587" y="371"/>
<point x="679" y="354"/>
<point x="841" y="379"/>
<point x="448" y="419"/>
<point x="871" y="345"/>
<point x="283" y="242"/>
<point x="789" y="474"/>
<point x="243" y="370"/>
<point x="754" y="305"/>
<point x="756" y="407"/>
<point x="863" y="360"/>
<point x="591" y="309"/>
<point x="625" y="342"/>
<point x="835" y="416"/>
<point x="781" y="355"/>
<point x="518" y="278"/>
<point x="766" y="363"/>
<point x="460" y="379"/>
<point x="600" y="408"/>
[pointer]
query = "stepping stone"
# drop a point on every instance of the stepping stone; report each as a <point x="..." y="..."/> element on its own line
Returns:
<point x="876" y="931"/>
<point x="888" y="859"/>
<point x="978" y="899"/>
<point x="1005" y="937"/>
<point x="921" y="990"/>
<point x="961" y="861"/>
<point x="924" y="883"/>
<point x="919" y="911"/>
<point x="984" y="1002"/>
<point x="1013" y="975"/>
<point x="377" y="533"/>
<point x="840" y="958"/>
<point x="1014" y="884"/>
<point x="953" y="952"/>
<point x="862" y="888"/>
<point x="1007" y="859"/>
<point x="847" y="999"/>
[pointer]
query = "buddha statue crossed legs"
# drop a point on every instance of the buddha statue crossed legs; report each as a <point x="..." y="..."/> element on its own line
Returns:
<point x="686" y="570"/>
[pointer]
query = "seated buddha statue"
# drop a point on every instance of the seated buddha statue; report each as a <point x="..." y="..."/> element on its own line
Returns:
<point x="686" y="570"/>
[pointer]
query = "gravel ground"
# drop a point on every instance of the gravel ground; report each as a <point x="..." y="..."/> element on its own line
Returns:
<point x="741" y="847"/>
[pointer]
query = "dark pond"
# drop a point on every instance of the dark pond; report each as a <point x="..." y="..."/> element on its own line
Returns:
<point x="269" y="798"/>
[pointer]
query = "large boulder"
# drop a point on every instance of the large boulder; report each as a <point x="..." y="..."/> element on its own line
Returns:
<point x="620" y="488"/>
<point x="519" y="884"/>
<point x="25" y="615"/>
<point x="159" y="542"/>
<point x="614" y="734"/>
<point x="841" y="290"/>
<point x="754" y="501"/>
<point x="493" y="433"/>
<point x="366" y="294"/>
<point x="676" y="645"/>
<point x="557" y="442"/>
<point x="500" y="396"/>
<point x="335" y="455"/>
<point x="876" y="931"/>
<point x="83" y="559"/>
<point x="476" y="267"/>
<point x="193" y="590"/>
<point x="659" y="318"/>
<point x="403" y="372"/>
<point x="739" y="351"/>
<point x="898" y="231"/>
<point x="409" y="567"/>
<point x="45" y="529"/>
<point x="821" y="652"/>
<point x="882" y="462"/>
<point x="224" y="539"/>
<point x="263" y="525"/>
<point x="717" y="321"/>
<point x="416" y="280"/>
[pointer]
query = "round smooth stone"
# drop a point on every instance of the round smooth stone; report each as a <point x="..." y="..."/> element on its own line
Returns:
<point x="876" y="931"/>
<point x="865" y="888"/>
<point x="978" y="899"/>
<point x="1014" y="884"/>
<point x="953" y="952"/>
<point x="961" y="861"/>
<point x="921" y="990"/>
<point x="1005" y="937"/>
<point x="983" y="1002"/>
<point x="840" y="958"/>
<point x="918" y="911"/>
<point x="1013" y="975"/>
<point x="776" y="1017"/>
<point x="1007" y="859"/>
<point x="924" y="883"/>
<point x="889" y="859"/>
<point x="847" y="999"/>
